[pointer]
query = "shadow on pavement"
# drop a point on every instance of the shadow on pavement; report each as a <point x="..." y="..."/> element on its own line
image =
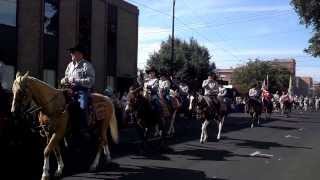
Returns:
<point x="210" y="154"/>
<point x="29" y="152"/>
<point x="280" y="127"/>
<point x="262" y="144"/>
<point x="129" y="172"/>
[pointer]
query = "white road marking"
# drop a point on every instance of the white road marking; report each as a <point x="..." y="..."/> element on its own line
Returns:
<point x="259" y="154"/>
<point x="290" y="136"/>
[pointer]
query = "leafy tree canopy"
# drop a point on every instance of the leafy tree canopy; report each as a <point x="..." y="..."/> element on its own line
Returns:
<point x="309" y="12"/>
<point x="191" y="60"/>
<point x="256" y="71"/>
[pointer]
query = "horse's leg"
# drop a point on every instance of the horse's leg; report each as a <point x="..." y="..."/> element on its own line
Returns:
<point x="157" y="131"/>
<point x="102" y="143"/>
<point x="252" y="119"/>
<point x="220" y="127"/>
<point x="96" y="160"/>
<point x="60" y="163"/>
<point x="173" y="118"/>
<point x="46" y="168"/>
<point x="202" y="132"/>
<point x="56" y="137"/>
<point x="106" y="152"/>
<point x="205" y="138"/>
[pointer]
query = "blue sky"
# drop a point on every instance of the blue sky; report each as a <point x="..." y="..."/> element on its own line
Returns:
<point x="233" y="30"/>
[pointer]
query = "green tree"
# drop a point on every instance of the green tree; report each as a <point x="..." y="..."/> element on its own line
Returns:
<point x="309" y="12"/>
<point x="256" y="71"/>
<point x="191" y="60"/>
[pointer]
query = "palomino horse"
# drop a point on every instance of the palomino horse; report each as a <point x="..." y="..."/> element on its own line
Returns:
<point x="207" y="113"/>
<point x="53" y="104"/>
<point x="254" y="108"/>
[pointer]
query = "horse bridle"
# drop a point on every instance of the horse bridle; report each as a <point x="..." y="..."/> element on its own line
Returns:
<point x="24" y="90"/>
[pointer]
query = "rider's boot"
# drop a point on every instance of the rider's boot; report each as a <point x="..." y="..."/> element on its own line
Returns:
<point x="84" y="128"/>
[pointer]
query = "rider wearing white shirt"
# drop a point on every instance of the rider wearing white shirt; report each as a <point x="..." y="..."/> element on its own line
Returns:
<point x="164" y="86"/>
<point x="151" y="84"/>
<point x="183" y="89"/>
<point x="151" y="87"/>
<point x="254" y="93"/>
<point x="80" y="75"/>
<point x="211" y="88"/>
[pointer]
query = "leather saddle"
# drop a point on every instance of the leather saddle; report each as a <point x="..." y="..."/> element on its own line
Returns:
<point x="95" y="110"/>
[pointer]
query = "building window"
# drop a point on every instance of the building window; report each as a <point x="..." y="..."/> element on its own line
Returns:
<point x="6" y="76"/>
<point x="8" y="32"/>
<point x="112" y="25"/>
<point x="49" y="76"/>
<point x="51" y="29"/>
<point x="85" y="26"/>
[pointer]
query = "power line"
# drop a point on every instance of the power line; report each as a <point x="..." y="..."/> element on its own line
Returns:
<point x="239" y="20"/>
<point x="192" y="29"/>
<point x="207" y="25"/>
<point x="195" y="14"/>
<point x="198" y="26"/>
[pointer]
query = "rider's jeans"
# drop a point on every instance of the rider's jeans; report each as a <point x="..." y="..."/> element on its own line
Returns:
<point x="83" y="99"/>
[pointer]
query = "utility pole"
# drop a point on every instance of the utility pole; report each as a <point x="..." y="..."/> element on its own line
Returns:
<point x="172" y="36"/>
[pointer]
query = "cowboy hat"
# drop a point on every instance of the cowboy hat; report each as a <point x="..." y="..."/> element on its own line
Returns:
<point x="77" y="48"/>
<point x="151" y="69"/>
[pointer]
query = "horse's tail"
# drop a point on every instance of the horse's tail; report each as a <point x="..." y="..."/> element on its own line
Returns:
<point x="114" y="126"/>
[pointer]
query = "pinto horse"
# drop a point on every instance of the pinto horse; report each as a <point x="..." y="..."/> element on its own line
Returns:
<point x="53" y="104"/>
<point x="207" y="113"/>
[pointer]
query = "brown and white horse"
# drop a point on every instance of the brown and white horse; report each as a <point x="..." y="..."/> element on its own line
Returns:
<point x="207" y="113"/>
<point x="54" y="105"/>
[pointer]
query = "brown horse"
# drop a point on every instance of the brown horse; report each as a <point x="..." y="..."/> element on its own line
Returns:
<point x="254" y="108"/>
<point x="53" y="104"/>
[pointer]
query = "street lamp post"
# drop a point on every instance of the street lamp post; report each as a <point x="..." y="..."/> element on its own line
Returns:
<point x="172" y="36"/>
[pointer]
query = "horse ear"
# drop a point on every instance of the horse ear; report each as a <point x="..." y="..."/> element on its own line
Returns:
<point x="26" y="74"/>
<point x="18" y="74"/>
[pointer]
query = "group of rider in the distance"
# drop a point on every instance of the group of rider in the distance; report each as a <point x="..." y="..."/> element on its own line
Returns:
<point x="165" y="88"/>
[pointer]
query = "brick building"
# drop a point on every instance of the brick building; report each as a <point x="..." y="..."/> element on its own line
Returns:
<point x="289" y="64"/>
<point x="225" y="75"/>
<point x="35" y="35"/>
<point x="304" y="85"/>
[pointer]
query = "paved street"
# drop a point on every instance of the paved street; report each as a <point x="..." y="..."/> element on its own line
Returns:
<point x="285" y="148"/>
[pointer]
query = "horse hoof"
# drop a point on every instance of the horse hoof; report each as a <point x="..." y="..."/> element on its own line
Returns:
<point x="93" y="169"/>
<point x="108" y="159"/>
<point x="58" y="173"/>
<point x="45" y="178"/>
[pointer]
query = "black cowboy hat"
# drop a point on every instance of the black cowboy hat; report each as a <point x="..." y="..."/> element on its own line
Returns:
<point x="151" y="69"/>
<point x="77" y="48"/>
<point x="164" y="73"/>
<point x="211" y="73"/>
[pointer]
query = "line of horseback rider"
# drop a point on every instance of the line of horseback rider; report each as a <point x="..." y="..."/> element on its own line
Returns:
<point x="166" y="88"/>
<point x="80" y="75"/>
<point x="263" y="97"/>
